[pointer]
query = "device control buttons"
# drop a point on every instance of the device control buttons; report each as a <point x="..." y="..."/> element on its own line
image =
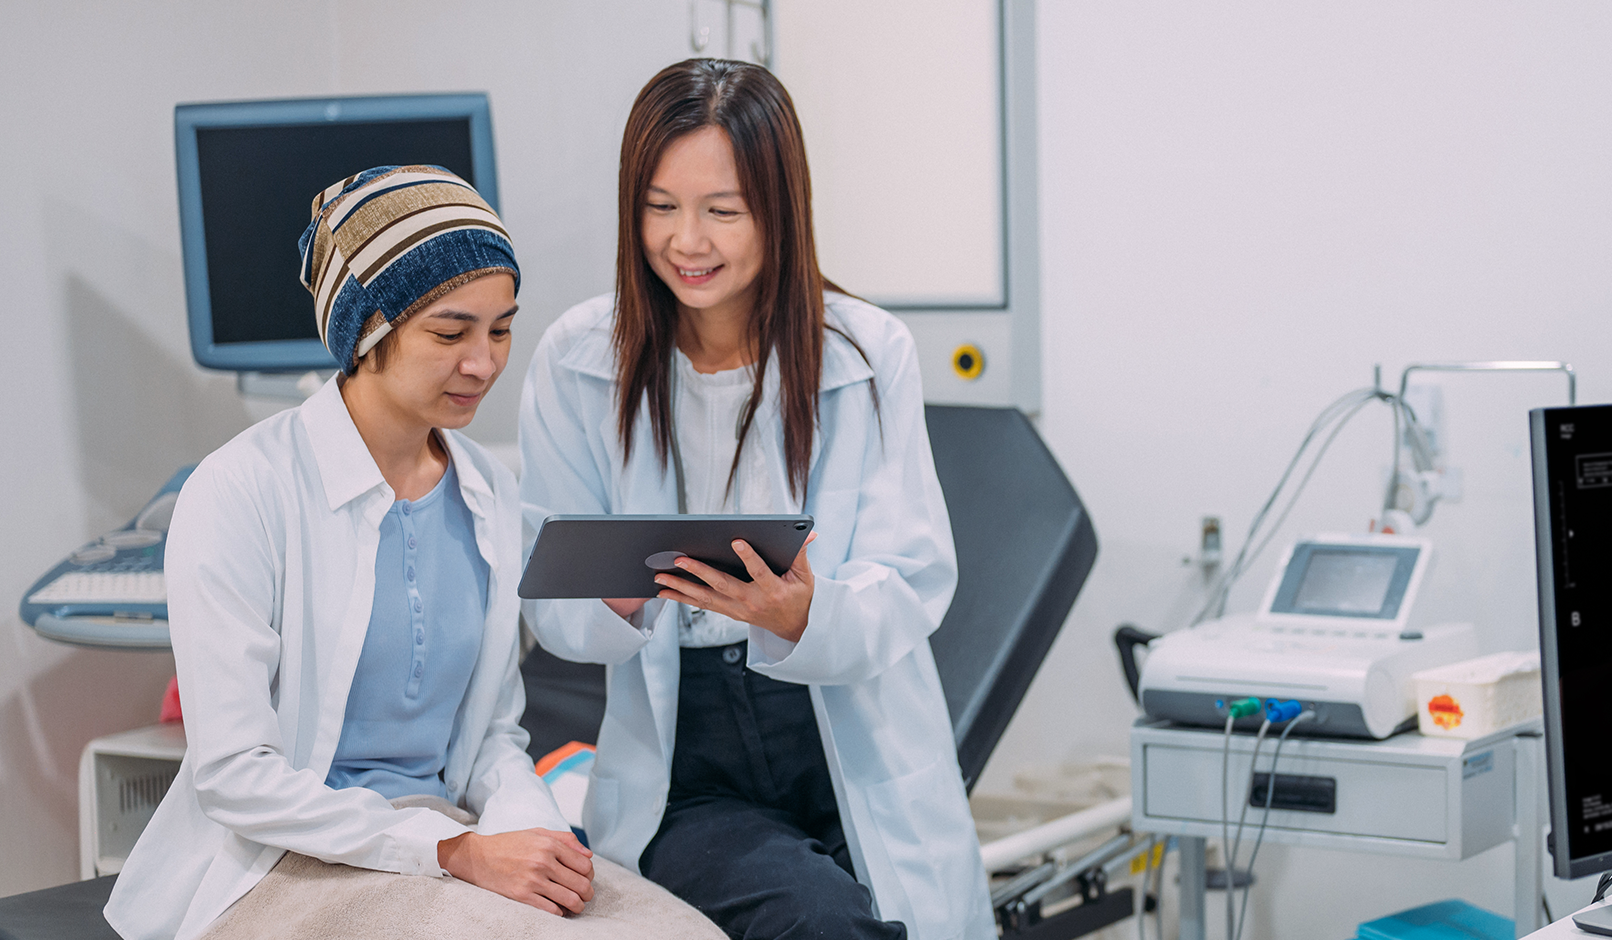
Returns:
<point x="90" y="554"/>
<point x="131" y="538"/>
<point x="664" y="561"/>
<point x="968" y="361"/>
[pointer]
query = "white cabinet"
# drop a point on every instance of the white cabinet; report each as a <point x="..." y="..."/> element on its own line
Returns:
<point x="121" y="779"/>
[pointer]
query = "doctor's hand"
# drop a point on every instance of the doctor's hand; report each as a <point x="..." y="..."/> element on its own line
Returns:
<point x="775" y="603"/>
<point x="549" y="870"/>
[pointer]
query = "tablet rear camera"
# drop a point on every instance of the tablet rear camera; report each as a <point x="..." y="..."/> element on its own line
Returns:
<point x="800" y="527"/>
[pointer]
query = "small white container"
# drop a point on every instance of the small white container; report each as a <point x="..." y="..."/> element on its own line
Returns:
<point x="1479" y="696"/>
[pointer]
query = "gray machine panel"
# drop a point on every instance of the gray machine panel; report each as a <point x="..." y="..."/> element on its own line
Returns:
<point x="1332" y="719"/>
<point x="1407" y="795"/>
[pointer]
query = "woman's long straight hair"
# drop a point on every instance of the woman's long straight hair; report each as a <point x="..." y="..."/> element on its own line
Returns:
<point x="786" y="326"/>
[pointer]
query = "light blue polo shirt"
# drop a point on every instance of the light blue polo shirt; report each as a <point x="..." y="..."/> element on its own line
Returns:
<point x="423" y="639"/>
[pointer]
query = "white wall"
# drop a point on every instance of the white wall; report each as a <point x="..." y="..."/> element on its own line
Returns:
<point x="105" y="399"/>
<point x="1244" y="207"/>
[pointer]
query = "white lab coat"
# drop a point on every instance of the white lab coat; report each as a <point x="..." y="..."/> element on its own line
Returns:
<point x="885" y="570"/>
<point x="271" y="575"/>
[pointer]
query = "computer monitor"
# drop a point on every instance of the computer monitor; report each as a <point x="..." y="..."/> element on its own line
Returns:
<point x="248" y="173"/>
<point x="1572" y="452"/>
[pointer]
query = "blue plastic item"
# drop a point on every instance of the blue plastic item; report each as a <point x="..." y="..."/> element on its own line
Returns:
<point x="1277" y="712"/>
<point x="1446" y="920"/>
<point x="108" y="621"/>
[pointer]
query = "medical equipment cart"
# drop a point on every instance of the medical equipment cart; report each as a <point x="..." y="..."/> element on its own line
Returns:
<point x="1408" y="795"/>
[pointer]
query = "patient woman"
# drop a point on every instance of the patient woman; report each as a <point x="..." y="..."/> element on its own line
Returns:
<point x="341" y="591"/>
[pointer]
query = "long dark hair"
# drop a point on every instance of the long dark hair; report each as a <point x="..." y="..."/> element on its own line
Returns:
<point x="750" y="105"/>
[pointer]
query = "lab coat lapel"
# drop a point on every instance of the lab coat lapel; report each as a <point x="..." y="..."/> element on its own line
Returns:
<point x="843" y="366"/>
<point x="346" y="469"/>
<point x="644" y="488"/>
<point x="497" y="629"/>
<point x="478" y="497"/>
<point x="352" y="483"/>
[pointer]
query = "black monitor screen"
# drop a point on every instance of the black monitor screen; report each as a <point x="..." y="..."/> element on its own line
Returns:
<point x="257" y="189"/>
<point x="1572" y="449"/>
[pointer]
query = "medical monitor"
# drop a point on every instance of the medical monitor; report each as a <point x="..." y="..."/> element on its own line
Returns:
<point x="1572" y="453"/>
<point x="1362" y="578"/>
<point x="248" y="173"/>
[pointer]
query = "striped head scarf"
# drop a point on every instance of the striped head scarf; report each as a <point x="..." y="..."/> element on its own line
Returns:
<point x="390" y="241"/>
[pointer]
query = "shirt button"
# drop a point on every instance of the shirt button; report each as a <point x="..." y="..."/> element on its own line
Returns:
<point x="419" y="636"/>
<point x="731" y="655"/>
<point x="405" y="509"/>
<point x="411" y="541"/>
<point x="411" y="572"/>
<point x="419" y="670"/>
<point x="418" y="606"/>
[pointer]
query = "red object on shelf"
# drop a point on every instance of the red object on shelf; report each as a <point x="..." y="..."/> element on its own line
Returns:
<point x="170" y="703"/>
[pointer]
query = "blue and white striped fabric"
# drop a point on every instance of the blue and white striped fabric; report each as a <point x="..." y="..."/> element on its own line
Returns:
<point x="390" y="241"/>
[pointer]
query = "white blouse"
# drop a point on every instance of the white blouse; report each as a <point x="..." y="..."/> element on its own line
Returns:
<point x="706" y="414"/>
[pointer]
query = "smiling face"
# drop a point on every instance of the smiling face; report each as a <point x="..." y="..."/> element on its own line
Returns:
<point x="700" y="237"/>
<point x="442" y="360"/>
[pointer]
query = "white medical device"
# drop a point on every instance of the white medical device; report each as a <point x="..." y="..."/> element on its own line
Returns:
<point x="1333" y="634"/>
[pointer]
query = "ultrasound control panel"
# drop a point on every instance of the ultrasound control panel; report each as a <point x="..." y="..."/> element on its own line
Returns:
<point x="111" y="592"/>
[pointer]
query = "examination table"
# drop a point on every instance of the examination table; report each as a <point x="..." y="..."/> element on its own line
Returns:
<point x="1024" y="548"/>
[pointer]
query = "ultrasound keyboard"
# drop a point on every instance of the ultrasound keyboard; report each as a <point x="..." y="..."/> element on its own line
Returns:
<point x="104" y="587"/>
<point x="111" y="592"/>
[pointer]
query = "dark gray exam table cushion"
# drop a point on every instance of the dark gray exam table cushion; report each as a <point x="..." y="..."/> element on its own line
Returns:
<point x="66" y="912"/>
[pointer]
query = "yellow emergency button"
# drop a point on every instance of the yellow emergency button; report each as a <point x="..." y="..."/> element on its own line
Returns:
<point x="968" y="362"/>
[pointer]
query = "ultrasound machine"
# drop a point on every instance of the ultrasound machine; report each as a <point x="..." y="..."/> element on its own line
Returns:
<point x="247" y="173"/>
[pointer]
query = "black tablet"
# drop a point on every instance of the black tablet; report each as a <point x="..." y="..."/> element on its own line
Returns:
<point x="619" y="556"/>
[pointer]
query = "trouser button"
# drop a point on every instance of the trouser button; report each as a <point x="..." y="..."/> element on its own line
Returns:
<point x="731" y="655"/>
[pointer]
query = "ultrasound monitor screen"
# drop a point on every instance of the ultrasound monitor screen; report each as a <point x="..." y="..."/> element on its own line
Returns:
<point x="258" y="185"/>
<point x="248" y="175"/>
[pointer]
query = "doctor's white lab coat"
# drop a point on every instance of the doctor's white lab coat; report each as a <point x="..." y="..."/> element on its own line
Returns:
<point x="884" y="572"/>
<point x="271" y="576"/>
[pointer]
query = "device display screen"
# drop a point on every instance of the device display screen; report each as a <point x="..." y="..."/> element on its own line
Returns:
<point x="257" y="189"/>
<point x="1573" y="512"/>
<point x="1346" y="582"/>
<point x="1365" y="581"/>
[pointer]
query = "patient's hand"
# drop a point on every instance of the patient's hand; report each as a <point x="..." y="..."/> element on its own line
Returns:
<point x="549" y="870"/>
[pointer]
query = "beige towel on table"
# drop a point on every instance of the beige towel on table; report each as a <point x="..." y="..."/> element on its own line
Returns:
<point x="302" y="898"/>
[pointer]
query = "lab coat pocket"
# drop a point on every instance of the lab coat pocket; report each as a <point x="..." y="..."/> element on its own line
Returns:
<point x="923" y="820"/>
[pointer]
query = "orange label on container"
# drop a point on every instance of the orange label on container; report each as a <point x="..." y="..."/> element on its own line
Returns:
<point x="1446" y="711"/>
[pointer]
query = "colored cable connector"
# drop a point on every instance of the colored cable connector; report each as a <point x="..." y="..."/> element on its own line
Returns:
<point x="1278" y="712"/>
<point x="1243" y="707"/>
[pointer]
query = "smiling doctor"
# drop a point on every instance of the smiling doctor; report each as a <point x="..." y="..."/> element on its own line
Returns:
<point x="778" y="752"/>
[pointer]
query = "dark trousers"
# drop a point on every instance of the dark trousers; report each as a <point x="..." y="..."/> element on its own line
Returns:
<point x="751" y="835"/>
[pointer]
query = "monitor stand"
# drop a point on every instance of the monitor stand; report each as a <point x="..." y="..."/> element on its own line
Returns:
<point x="294" y="386"/>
